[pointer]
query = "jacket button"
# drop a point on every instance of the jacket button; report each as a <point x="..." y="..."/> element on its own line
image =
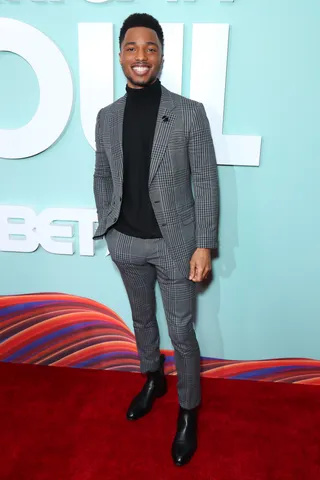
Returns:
<point x="157" y="201"/>
<point x="163" y="225"/>
<point x="120" y="199"/>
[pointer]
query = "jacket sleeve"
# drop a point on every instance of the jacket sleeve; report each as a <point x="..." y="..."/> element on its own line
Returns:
<point x="204" y="180"/>
<point x="102" y="180"/>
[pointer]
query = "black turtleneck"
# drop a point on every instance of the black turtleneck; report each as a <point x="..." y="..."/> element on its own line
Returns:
<point x="137" y="217"/>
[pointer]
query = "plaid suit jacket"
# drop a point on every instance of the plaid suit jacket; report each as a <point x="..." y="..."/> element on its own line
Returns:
<point x="183" y="179"/>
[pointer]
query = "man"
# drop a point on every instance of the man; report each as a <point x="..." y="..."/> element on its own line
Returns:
<point x="150" y="144"/>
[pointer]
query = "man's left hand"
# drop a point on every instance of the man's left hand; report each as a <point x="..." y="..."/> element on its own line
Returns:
<point x="200" y="264"/>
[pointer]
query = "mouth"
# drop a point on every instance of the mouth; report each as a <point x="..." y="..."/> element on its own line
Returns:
<point x="140" y="70"/>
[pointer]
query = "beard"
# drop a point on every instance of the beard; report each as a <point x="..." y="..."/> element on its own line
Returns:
<point x="142" y="83"/>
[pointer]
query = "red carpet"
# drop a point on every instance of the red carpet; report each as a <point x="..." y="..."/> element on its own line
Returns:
<point x="69" y="424"/>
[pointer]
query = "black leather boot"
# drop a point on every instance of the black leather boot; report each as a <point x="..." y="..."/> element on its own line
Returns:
<point x="155" y="387"/>
<point x="185" y="441"/>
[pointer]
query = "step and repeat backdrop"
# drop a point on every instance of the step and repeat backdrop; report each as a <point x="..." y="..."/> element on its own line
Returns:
<point x="254" y="64"/>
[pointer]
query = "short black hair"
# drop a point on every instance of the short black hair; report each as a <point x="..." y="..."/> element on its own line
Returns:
<point x="141" y="20"/>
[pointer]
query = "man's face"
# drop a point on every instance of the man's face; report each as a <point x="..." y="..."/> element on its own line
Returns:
<point x="141" y="56"/>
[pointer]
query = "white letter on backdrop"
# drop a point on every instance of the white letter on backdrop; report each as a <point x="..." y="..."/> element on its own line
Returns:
<point x="173" y="54"/>
<point x="27" y="244"/>
<point x="208" y="84"/>
<point x="46" y="230"/>
<point x="56" y="90"/>
<point x="95" y="72"/>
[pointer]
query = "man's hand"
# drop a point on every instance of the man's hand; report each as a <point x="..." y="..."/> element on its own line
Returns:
<point x="200" y="264"/>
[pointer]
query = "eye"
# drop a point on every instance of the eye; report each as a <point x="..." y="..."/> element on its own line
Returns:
<point x="152" y="49"/>
<point x="130" y="49"/>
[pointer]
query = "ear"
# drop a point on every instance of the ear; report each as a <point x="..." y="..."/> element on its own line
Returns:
<point x="120" y="58"/>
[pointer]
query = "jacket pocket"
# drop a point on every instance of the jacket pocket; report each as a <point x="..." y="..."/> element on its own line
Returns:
<point x="187" y="216"/>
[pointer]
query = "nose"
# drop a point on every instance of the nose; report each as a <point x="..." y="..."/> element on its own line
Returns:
<point x="141" y="55"/>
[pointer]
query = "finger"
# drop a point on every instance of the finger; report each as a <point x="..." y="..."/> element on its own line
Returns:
<point x="192" y="270"/>
<point x="206" y="274"/>
<point x="199" y="274"/>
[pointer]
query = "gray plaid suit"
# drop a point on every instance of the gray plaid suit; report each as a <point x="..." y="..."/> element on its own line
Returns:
<point x="182" y="157"/>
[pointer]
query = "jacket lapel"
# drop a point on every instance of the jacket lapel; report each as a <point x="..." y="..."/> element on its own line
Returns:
<point x="164" y="126"/>
<point x="117" y="135"/>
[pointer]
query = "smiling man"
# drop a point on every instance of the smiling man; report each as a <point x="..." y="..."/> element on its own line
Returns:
<point x="152" y="146"/>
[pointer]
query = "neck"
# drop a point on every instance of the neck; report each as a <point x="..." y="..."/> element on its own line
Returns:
<point x="145" y="91"/>
<point x="140" y="87"/>
<point x="135" y="87"/>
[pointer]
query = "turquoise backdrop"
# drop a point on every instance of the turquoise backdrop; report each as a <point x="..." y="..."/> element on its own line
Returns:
<point x="264" y="301"/>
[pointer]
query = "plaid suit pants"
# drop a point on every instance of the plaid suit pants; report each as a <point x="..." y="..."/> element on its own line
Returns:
<point x="141" y="263"/>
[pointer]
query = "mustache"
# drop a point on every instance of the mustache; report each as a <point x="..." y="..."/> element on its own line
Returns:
<point x="141" y="64"/>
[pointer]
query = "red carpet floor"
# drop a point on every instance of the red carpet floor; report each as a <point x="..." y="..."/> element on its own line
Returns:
<point x="69" y="424"/>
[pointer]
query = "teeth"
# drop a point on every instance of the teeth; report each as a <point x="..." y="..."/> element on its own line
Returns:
<point x="140" y="69"/>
